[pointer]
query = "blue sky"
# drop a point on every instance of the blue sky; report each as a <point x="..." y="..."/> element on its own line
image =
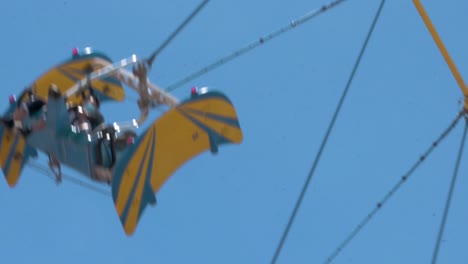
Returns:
<point x="232" y="208"/>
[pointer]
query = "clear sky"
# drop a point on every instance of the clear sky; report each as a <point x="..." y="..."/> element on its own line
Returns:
<point x="232" y="208"/>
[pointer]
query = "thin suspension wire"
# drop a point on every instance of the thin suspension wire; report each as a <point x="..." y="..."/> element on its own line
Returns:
<point x="253" y="45"/>
<point x="175" y="32"/>
<point x="328" y="132"/>
<point x="83" y="184"/>
<point x="393" y="190"/>
<point x="449" y="196"/>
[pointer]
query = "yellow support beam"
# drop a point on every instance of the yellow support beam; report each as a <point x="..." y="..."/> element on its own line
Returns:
<point x="442" y="49"/>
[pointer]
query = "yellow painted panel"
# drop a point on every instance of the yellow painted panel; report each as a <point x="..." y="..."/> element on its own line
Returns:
<point x="232" y="133"/>
<point x="15" y="167"/>
<point x="8" y="139"/>
<point x="212" y="105"/>
<point x="129" y="177"/>
<point x="134" y="210"/>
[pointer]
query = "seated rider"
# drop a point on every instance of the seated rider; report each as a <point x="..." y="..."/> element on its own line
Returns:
<point x="91" y="105"/>
<point x="22" y="111"/>
<point x="88" y="112"/>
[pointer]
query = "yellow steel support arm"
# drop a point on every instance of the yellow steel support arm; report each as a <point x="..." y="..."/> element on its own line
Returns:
<point x="442" y="49"/>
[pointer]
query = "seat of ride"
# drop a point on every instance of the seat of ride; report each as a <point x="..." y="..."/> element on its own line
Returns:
<point x="82" y="121"/>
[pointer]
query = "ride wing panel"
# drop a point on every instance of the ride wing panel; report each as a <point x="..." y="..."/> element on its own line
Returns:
<point x="14" y="153"/>
<point x="67" y="74"/>
<point x="196" y="125"/>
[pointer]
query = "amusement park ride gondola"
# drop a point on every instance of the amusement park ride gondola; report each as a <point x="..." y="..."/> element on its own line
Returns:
<point x="136" y="166"/>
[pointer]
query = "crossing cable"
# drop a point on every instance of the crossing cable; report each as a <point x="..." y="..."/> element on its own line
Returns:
<point x="327" y="134"/>
<point x="393" y="190"/>
<point x="449" y="196"/>
<point x="251" y="46"/>
<point x="44" y="170"/>
<point x="151" y="58"/>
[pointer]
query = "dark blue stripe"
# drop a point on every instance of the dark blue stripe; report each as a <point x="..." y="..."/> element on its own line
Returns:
<point x="67" y="74"/>
<point x="75" y="70"/>
<point x="112" y="80"/>
<point x="220" y="139"/>
<point x="147" y="186"/>
<point x="208" y="95"/>
<point x="124" y="216"/>
<point x="11" y="155"/>
<point x="122" y="164"/>
<point x="108" y="79"/>
<point x="228" y="120"/>
<point x="2" y="129"/>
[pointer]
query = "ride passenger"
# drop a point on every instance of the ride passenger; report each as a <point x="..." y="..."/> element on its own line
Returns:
<point x="91" y="106"/>
<point x="22" y="111"/>
<point x="88" y="114"/>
